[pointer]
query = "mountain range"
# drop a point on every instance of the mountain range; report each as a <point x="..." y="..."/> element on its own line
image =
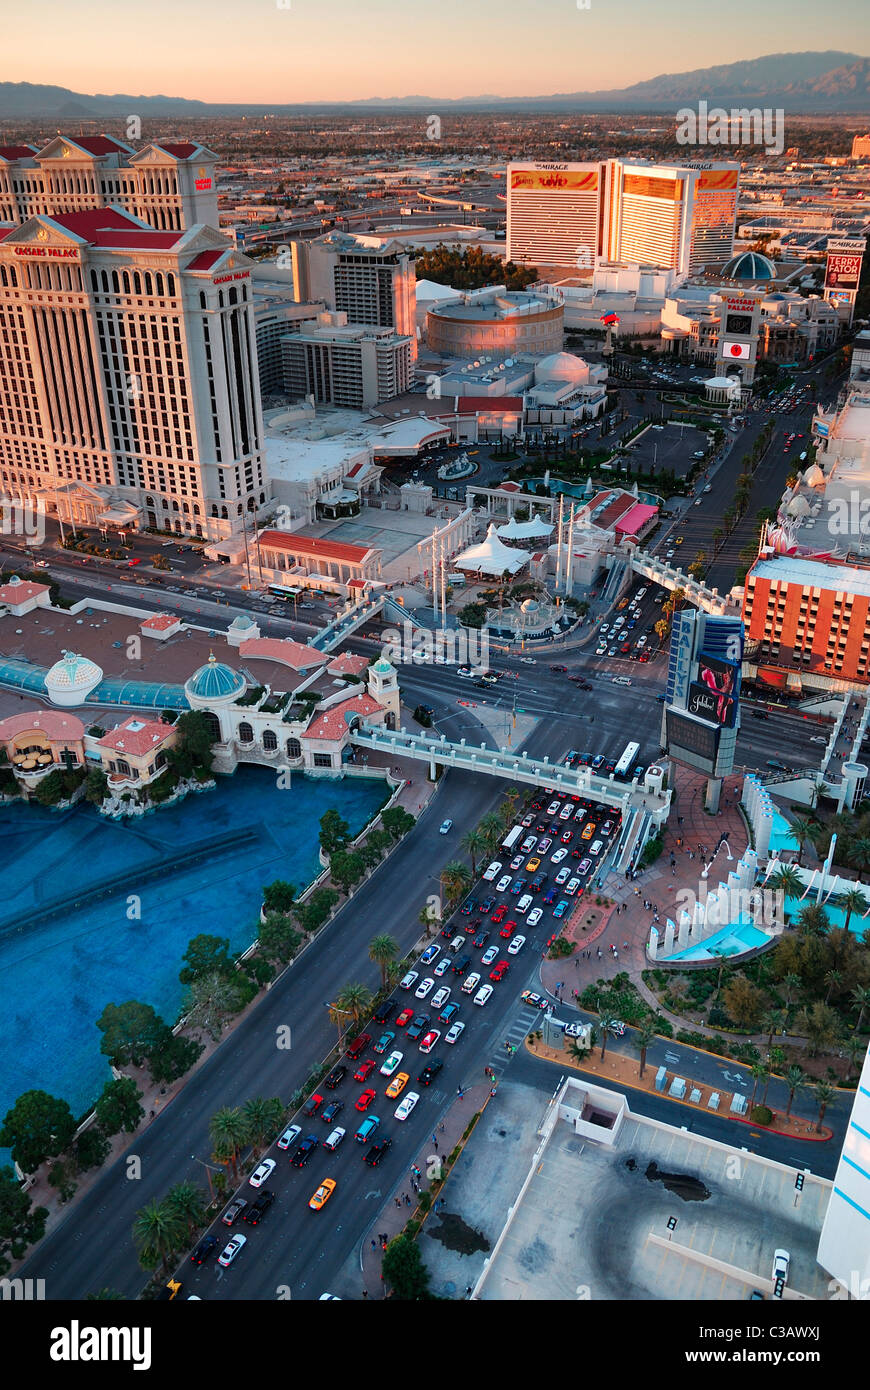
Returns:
<point x="810" y="83"/>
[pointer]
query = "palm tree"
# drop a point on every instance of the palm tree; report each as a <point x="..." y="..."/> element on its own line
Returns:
<point x="797" y="1080"/>
<point x="772" y="1022"/>
<point x="338" y="1018"/>
<point x="824" y="1094"/>
<point x="802" y="832"/>
<point x="855" y="1049"/>
<point x="188" y="1201"/>
<point x="820" y="789"/>
<point x="474" y="844"/>
<point x="159" y="1230"/>
<point x="229" y="1133"/>
<point x="262" y="1118"/>
<point x="812" y="920"/>
<point x="759" y="1073"/>
<point x="643" y="1036"/>
<point x="455" y="881"/>
<point x="575" y="1051"/>
<point x="509" y="805"/>
<point x="861" y="997"/>
<point x="429" y="917"/>
<point x="786" y="881"/>
<point x="833" y="978"/>
<point x="354" y="999"/>
<point x="859" y="853"/>
<point x="821" y="1024"/>
<point x="791" y="984"/>
<point x="853" y="901"/>
<point x="383" y="950"/>
<point x="492" y="831"/>
<point x="607" y="1024"/>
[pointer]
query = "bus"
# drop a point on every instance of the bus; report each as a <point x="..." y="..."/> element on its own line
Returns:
<point x="281" y="591"/>
<point x="512" y="837"/>
<point x="627" y="761"/>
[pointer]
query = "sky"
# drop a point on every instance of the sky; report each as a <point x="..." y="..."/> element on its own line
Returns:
<point x="342" y="50"/>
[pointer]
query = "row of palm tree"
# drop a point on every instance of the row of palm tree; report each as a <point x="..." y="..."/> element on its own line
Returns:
<point x="234" y="1128"/>
<point x="162" y="1230"/>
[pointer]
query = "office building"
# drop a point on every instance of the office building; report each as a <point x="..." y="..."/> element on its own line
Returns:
<point x="128" y="379"/>
<point x="169" y="184"/>
<point x="347" y="364"/>
<point x="369" y="280"/>
<point x="844" y="1245"/>
<point x="808" y="621"/>
<point x="554" y="213"/>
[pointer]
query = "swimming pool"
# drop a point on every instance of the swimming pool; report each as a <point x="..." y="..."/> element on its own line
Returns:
<point x="70" y="941"/>
<point x="731" y="940"/>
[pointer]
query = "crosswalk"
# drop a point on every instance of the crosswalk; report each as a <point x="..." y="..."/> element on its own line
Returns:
<point x="515" y="1034"/>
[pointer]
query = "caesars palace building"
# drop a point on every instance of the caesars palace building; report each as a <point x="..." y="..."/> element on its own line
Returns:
<point x="129" y="393"/>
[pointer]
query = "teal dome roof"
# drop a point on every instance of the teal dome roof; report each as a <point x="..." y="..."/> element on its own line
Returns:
<point x="749" y="265"/>
<point x="214" y="681"/>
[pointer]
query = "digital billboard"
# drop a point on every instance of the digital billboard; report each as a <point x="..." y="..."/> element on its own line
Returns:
<point x="843" y="266"/>
<point x="741" y="324"/>
<point x="700" y="740"/>
<point x="714" y="695"/>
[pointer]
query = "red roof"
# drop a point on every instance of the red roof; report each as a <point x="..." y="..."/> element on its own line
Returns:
<point x="497" y="405"/>
<point x="311" y="545"/>
<point x="106" y="227"/>
<point x="206" y="259"/>
<point x="332" y="724"/>
<point x="20" y="591"/>
<point x="98" y="144"/>
<point x="137" y="736"/>
<point x="636" y="518"/>
<point x="52" y="723"/>
<point x="353" y="471"/>
<point x="288" y="653"/>
<point x="348" y="663"/>
<point x="17" y="151"/>
<point x="159" y="622"/>
<point x="182" y="151"/>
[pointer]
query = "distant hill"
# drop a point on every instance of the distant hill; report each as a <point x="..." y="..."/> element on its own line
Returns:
<point x="811" y="83"/>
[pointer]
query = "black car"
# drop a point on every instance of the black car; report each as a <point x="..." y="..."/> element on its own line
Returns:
<point x="487" y="905"/>
<point x="375" y="1153"/>
<point x="384" y="1011"/>
<point x="481" y="938"/>
<point x="759" y="714"/>
<point x="329" y="1112"/>
<point x="449" y="930"/>
<point x="417" y="1026"/>
<point x="559" y="669"/>
<point x="429" y="1072"/>
<point x="258" y="1209"/>
<point x="234" y="1211"/>
<point x="459" y="967"/>
<point x="304" y="1151"/>
<point x="335" y="1078"/>
<point x="203" y="1250"/>
<point x="538" y="882"/>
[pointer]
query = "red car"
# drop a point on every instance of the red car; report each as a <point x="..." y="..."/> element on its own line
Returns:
<point x="401" y="1022"/>
<point x="566" y="837"/>
<point x="499" y="970"/>
<point x="365" y="1100"/>
<point x="131" y="563"/>
<point x="363" y="1070"/>
<point x="313" y="1104"/>
<point x="499" y="914"/>
<point x="507" y="929"/>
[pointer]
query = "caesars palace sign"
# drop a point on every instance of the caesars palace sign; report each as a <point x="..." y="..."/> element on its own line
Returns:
<point x="56" y="253"/>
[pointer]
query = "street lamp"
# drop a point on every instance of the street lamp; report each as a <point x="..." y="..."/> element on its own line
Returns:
<point x="209" y="1169"/>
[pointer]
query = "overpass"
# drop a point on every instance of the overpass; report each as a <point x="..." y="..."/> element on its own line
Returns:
<point x="352" y="619"/>
<point x="652" y="567"/>
<point x="516" y="767"/>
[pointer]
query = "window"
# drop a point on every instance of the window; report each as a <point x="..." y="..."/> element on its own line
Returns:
<point x="322" y="760"/>
<point x="294" y="748"/>
<point x="270" y="740"/>
<point x="246" y="733"/>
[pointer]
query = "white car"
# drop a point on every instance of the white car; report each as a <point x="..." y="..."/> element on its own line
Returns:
<point x="483" y="994"/>
<point x="454" y="1033"/>
<point x="504" y="882"/>
<point x="488" y="956"/>
<point x="404" y="1108"/>
<point x="424" y="987"/>
<point x="334" y="1139"/>
<point x="519" y="941"/>
<point x="566" y="812"/>
<point x="231" y="1249"/>
<point x="559" y="855"/>
<point x="605" y="627"/>
<point x="289" y="1136"/>
<point x="571" y="886"/>
<point x="407" y="981"/>
<point x="429" y="954"/>
<point x="440" y="999"/>
<point x="641" y="641"/>
<point x="525" y="903"/>
<point x="493" y="871"/>
<point x="470" y="983"/>
<point x="529" y="844"/>
<point x="528" y="661"/>
<point x="442" y="967"/>
<point x="265" y="1170"/>
<point x="563" y="875"/>
<point x="445" y="827"/>
<point x="516" y="863"/>
<point x="601" y="649"/>
<point x="596" y="847"/>
<point x="553" y="808"/>
<point x="392" y="1064"/>
<point x="781" y="1261"/>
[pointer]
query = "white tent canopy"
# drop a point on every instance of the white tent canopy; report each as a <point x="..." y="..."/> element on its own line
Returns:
<point x="492" y="556"/>
<point x="525" y="530"/>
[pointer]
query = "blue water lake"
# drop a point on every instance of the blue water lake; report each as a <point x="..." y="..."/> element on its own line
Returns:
<point x="67" y="948"/>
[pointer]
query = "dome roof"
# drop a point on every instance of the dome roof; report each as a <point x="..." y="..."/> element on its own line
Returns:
<point x="749" y="265"/>
<point x="798" y="506"/>
<point x="71" y="680"/>
<point x="814" y="476"/>
<point x="242" y="620"/>
<point x="561" y="366"/>
<point x="529" y="605"/>
<point x="215" y="681"/>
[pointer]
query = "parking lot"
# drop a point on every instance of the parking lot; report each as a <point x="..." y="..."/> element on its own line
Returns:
<point x="669" y="447"/>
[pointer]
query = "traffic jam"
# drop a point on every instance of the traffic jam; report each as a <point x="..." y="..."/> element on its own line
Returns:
<point x="388" y="1092"/>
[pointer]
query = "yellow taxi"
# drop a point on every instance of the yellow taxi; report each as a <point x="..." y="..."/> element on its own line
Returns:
<point x="397" y="1085"/>
<point x="679" y="540"/>
<point x="588" y="831"/>
<point x="323" y="1194"/>
<point x="533" y="866"/>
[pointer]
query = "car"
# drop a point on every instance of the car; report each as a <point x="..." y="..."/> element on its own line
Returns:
<point x="312" y="1105"/>
<point x="440" y="999"/>
<point x="457" y="943"/>
<point x="442" y="967"/>
<point x="459" y="967"/>
<point x="397" y="1085"/>
<point x="481" y="939"/>
<point x="517" y="863"/>
<point x="404" y="1108"/>
<point x="404" y="1019"/>
<point x="492" y="873"/>
<point x="607" y="827"/>
<point x="776" y="765"/>
<point x="759" y="714"/>
<point x="561" y="907"/>
<point x="429" y="1072"/>
<point x="304" y="1151"/>
<point x="337" y="1075"/>
<point x="384" y="1041"/>
<point x="448" y="1013"/>
<point x="559" y="855"/>
<point x="489" y="678"/>
<point x="424" y="987"/>
<point x="551" y="894"/>
<point x="519" y="941"/>
<point x="255" y="1213"/>
<point x="377" y="1151"/>
<point x="469" y="907"/>
<point x="359" y="1045"/>
<point x="533" y="865"/>
<point x="601" y="649"/>
<point x="483" y="994"/>
<point x="465" y="671"/>
<point x="559" y="669"/>
<point x="588" y="831"/>
<point x="365" y="1099"/>
<point x="597" y="761"/>
<point x="262" y="1172"/>
<point x="321" y="1196"/>
<point x="445" y="827"/>
<point x="333" y="1140"/>
<point x="553" y="808"/>
<point x="567" y="836"/>
<point x="429" y="954"/>
<point x="470" y="983"/>
<point x="231" y="1250"/>
<point x="563" y="875"/>
<point x="781" y="1262"/>
<point x="289" y="1136"/>
<point x="363" y="1069"/>
<point x="508" y="929"/>
<point x="330" y="1111"/>
<point x="524" y="904"/>
<point x="571" y="886"/>
<point x="537" y="1001"/>
<point x="518" y="885"/>
<point x="529" y="843"/>
<point x="575" y="1030"/>
<point x="489" y="955"/>
<point x="454" y="1032"/>
<point x="419" y="1025"/>
<point x="429" y="1040"/>
<point x="392" y="1063"/>
<point x="566" y="812"/>
<point x="42" y="564"/>
<point x="499" y="914"/>
<point x="584" y="866"/>
<point x="201" y="1252"/>
<point x="407" y="981"/>
<point x="499" y="971"/>
<point x="367" y="1129"/>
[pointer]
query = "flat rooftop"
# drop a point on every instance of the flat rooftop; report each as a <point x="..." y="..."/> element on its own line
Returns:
<point x="793" y="569"/>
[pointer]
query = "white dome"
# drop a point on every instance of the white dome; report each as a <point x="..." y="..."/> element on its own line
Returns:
<point x="529" y="605"/>
<point x="71" y="680"/>
<point x="814" y="477"/>
<point x="561" y="366"/>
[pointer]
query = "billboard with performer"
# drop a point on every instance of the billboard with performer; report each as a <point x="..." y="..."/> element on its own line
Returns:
<point x="843" y="265"/>
<point x="714" y="695"/>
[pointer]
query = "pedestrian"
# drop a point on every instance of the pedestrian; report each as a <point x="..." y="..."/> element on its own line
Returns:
<point x="673" y="871"/>
<point x="365" y="1293"/>
<point x="151" y="1115"/>
<point x="407" y="1200"/>
<point x="397" y="1201"/>
<point x="374" y="1244"/>
<point x="441" y="1129"/>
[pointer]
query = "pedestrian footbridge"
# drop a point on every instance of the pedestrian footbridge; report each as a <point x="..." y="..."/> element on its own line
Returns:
<point x="352" y="619"/>
<point x="660" y="572"/>
<point x="517" y="768"/>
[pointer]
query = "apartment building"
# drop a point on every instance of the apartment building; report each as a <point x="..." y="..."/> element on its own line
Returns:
<point x="346" y="364"/>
